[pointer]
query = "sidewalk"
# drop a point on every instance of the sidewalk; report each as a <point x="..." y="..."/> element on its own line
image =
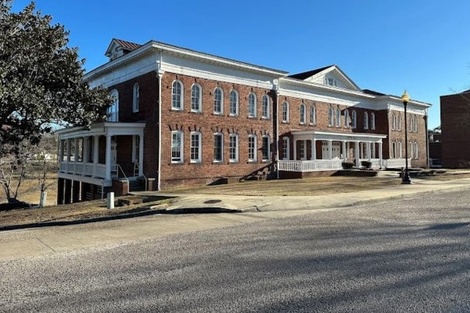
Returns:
<point x="31" y="242"/>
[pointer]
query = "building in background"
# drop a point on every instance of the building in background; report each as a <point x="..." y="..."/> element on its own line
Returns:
<point x="182" y="117"/>
<point x="455" y="131"/>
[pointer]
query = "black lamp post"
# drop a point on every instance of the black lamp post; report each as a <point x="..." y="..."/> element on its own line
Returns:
<point x="405" y="178"/>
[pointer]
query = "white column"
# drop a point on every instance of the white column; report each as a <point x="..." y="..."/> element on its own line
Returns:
<point x="344" y="151"/>
<point x="369" y="150"/>
<point x="314" y="149"/>
<point x="61" y="150"/>
<point x="86" y="148"/>
<point x="380" y="154"/>
<point x="108" y="158"/>
<point x="76" y="149"/>
<point x="141" y="155"/>
<point x="330" y="148"/>
<point x="295" y="150"/>
<point x="96" y="150"/>
<point x="356" y="152"/>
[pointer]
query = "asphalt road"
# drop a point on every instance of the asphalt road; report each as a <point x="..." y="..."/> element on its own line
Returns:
<point x="410" y="255"/>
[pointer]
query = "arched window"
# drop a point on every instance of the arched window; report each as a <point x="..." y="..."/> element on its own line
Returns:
<point x="252" y="105"/>
<point x="196" y="98"/>
<point x="337" y="117"/>
<point x="366" y="120"/>
<point x="347" y="121"/>
<point x="177" y="95"/>
<point x="233" y="103"/>
<point x="285" y="112"/>
<point x="302" y="113"/>
<point x="331" y="116"/>
<point x="218" y="101"/>
<point x="415" y="150"/>
<point x="394" y="121"/>
<point x="135" y="98"/>
<point x="372" y="120"/>
<point x="265" y="109"/>
<point x="313" y="115"/>
<point x="112" y="112"/>
<point x="353" y="119"/>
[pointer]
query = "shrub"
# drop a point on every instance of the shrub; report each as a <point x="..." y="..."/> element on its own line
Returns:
<point x="347" y="165"/>
<point x="366" y="164"/>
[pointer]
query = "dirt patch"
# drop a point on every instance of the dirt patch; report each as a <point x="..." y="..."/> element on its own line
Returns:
<point x="292" y="187"/>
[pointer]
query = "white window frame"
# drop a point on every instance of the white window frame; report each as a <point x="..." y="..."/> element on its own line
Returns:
<point x="233" y="148"/>
<point x="196" y="98"/>
<point x="331" y="116"/>
<point x="218" y="101"/>
<point x="135" y="98"/>
<point x="337" y="117"/>
<point x="180" y="147"/>
<point x="217" y="149"/>
<point x="112" y="112"/>
<point x="285" y="148"/>
<point x="177" y="96"/>
<point x="265" y="157"/>
<point x="265" y="107"/>
<point x="234" y="103"/>
<point x="366" y="120"/>
<point x="252" y="148"/>
<point x="195" y="151"/>
<point x="353" y="119"/>
<point x="252" y="105"/>
<point x="313" y="115"/>
<point x="347" y="119"/>
<point x="416" y="150"/>
<point x="285" y="112"/>
<point x="302" y="116"/>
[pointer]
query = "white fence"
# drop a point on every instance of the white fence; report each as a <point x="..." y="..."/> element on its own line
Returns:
<point x="309" y="166"/>
<point x="83" y="169"/>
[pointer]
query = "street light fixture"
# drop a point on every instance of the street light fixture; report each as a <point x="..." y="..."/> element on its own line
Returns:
<point x="405" y="177"/>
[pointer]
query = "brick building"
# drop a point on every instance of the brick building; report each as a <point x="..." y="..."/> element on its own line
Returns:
<point x="184" y="117"/>
<point x="455" y="134"/>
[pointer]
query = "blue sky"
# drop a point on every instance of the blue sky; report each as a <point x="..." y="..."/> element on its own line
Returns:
<point x="384" y="45"/>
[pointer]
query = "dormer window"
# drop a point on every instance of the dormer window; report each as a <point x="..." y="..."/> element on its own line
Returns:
<point x="331" y="82"/>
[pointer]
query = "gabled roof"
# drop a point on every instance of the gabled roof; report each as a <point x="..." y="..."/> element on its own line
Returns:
<point x="122" y="45"/>
<point x="305" y="75"/>
<point x="331" y="71"/>
<point x="127" y="44"/>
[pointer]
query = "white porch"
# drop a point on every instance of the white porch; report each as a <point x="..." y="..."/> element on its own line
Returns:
<point x="91" y="155"/>
<point x="323" y="151"/>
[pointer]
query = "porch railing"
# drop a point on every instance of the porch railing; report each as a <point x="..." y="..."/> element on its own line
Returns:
<point x="310" y="165"/>
<point x="83" y="169"/>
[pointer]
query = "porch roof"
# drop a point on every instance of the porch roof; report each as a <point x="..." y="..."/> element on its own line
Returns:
<point x="104" y="129"/>
<point x="323" y="135"/>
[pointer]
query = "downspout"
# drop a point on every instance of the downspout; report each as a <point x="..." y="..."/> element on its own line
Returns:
<point x="160" y="75"/>
<point x="276" y="117"/>
<point x="427" y="136"/>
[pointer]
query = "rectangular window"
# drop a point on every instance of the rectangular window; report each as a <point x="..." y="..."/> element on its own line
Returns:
<point x="195" y="147"/>
<point x="135" y="148"/>
<point x="233" y="149"/>
<point x="301" y="149"/>
<point x="285" y="148"/>
<point x="176" y="147"/>
<point x="218" y="147"/>
<point x="252" y="148"/>
<point x="265" y="150"/>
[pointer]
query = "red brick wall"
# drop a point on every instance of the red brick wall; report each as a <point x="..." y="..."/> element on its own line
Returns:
<point x="208" y="123"/>
<point x="455" y="117"/>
